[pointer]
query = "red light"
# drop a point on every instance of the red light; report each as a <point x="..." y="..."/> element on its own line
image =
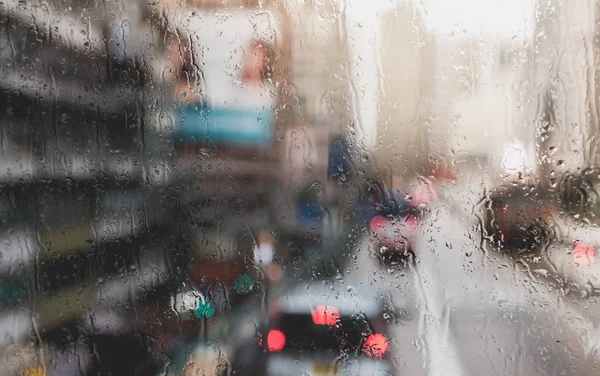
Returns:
<point x="325" y="315"/>
<point x="378" y="224"/>
<point x="275" y="340"/>
<point x="583" y="255"/>
<point x="376" y="346"/>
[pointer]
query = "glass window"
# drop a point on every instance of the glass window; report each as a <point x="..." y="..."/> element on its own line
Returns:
<point x="292" y="187"/>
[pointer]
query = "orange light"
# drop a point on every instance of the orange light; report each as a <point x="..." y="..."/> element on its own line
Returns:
<point x="378" y="224"/>
<point x="275" y="340"/>
<point x="39" y="370"/>
<point x="583" y="255"/>
<point x="325" y="315"/>
<point x="376" y="346"/>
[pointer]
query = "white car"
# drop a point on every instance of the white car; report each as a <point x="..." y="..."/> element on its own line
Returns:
<point x="321" y="329"/>
<point x="573" y="256"/>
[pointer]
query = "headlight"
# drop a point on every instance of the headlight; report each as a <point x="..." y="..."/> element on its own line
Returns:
<point x="514" y="158"/>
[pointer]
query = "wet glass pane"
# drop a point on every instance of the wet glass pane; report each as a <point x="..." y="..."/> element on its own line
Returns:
<point x="299" y="187"/>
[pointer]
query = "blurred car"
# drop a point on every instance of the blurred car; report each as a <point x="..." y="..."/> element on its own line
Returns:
<point x="573" y="253"/>
<point x="319" y="330"/>
<point x="392" y="219"/>
<point x="519" y="218"/>
<point x="574" y="265"/>
<point x="393" y="236"/>
<point x="519" y="215"/>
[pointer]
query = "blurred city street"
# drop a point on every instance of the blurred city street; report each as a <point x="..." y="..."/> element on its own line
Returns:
<point x="468" y="310"/>
<point x="298" y="187"/>
<point x="463" y="308"/>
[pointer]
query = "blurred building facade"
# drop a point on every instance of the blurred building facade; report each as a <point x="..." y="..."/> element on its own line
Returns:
<point x="320" y="66"/>
<point x="405" y="84"/>
<point x="522" y="73"/>
<point x="565" y="51"/>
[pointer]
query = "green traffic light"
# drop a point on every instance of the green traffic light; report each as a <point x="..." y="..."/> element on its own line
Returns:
<point x="205" y="309"/>
<point x="244" y="284"/>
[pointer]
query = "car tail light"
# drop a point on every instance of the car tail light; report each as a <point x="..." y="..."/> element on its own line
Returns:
<point x="378" y="224"/>
<point x="376" y="346"/>
<point x="583" y="255"/>
<point x="325" y="315"/>
<point x="275" y="340"/>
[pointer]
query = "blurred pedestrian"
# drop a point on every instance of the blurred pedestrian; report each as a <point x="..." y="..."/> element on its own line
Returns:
<point x="264" y="253"/>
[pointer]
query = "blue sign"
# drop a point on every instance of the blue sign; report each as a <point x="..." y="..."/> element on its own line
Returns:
<point x="234" y="126"/>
